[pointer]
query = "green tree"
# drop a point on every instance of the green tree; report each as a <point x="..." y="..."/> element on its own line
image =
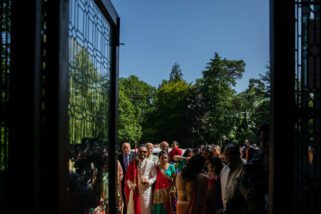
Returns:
<point x="253" y="107"/>
<point x="166" y="119"/>
<point x="136" y="103"/>
<point x="129" y="128"/>
<point x="195" y="117"/>
<point x="266" y="79"/>
<point x="216" y="86"/>
<point x="262" y="114"/>
<point x="176" y="74"/>
<point x="141" y="95"/>
<point x="170" y="114"/>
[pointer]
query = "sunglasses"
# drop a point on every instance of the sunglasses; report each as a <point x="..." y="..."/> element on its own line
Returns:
<point x="142" y="151"/>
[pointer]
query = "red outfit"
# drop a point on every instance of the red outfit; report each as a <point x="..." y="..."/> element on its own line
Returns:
<point x="162" y="188"/>
<point x="131" y="175"/>
<point x="175" y="151"/>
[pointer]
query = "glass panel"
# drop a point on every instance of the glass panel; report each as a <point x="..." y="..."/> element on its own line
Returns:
<point x="5" y="31"/>
<point x="88" y="109"/>
<point x="307" y="96"/>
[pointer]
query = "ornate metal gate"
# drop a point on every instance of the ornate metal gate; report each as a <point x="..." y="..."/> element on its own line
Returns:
<point x="93" y="36"/>
<point x="307" y="107"/>
<point x="295" y="145"/>
<point x="58" y="84"/>
<point x="5" y="45"/>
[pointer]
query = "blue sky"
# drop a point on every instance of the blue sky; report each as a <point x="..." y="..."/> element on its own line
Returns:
<point x="158" y="33"/>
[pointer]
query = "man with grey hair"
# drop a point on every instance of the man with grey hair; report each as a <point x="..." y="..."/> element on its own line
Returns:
<point x="150" y="155"/>
<point x="124" y="159"/>
<point x="164" y="146"/>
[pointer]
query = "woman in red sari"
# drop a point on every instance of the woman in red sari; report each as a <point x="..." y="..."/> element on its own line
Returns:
<point x="163" y="186"/>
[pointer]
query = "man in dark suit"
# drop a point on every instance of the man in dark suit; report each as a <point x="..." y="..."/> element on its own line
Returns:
<point x="125" y="158"/>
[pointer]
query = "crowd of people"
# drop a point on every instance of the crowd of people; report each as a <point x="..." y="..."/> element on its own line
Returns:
<point x="229" y="179"/>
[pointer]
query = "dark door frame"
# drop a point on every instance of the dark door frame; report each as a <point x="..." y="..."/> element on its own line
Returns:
<point x="37" y="136"/>
<point x="39" y="123"/>
<point x="282" y="52"/>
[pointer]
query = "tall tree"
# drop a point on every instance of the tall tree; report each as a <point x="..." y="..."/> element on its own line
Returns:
<point x="167" y="121"/>
<point x="176" y="73"/>
<point x="170" y="115"/>
<point x="136" y="102"/>
<point x="216" y="85"/>
<point x="195" y="117"/>
<point x="263" y="110"/>
<point x="253" y="107"/>
<point x="141" y="95"/>
<point x="129" y="128"/>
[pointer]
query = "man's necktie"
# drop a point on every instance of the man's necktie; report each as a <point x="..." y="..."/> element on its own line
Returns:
<point x="126" y="162"/>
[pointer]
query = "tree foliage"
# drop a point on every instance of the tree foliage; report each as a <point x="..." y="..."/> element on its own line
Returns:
<point x="88" y="99"/>
<point x="216" y="86"/>
<point x="129" y="128"/>
<point x="204" y="112"/>
<point x="140" y="94"/>
<point x="136" y="100"/>
<point x="170" y="114"/>
<point x="176" y="74"/>
<point x="253" y="106"/>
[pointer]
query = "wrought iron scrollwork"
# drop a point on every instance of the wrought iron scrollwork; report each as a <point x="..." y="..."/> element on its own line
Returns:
<point x="307" y="101"/>
<point x="89" y="71"/>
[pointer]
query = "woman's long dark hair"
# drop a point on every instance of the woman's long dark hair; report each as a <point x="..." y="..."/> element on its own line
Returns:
<point x="162" y="153"/>
<point x="217" y="163"/>
<point x="193" y="168"/>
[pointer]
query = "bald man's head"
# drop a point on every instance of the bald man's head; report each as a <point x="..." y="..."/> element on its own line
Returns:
<point x="125" y="148"/>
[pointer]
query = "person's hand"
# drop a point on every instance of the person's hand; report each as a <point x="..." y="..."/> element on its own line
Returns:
<point x="145" y="182"/>
<point x="172" y="191"/>
<point x="132" y="186"/>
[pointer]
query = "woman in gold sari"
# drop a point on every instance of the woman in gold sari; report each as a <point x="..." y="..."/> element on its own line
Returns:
<point x="192" y="187"/>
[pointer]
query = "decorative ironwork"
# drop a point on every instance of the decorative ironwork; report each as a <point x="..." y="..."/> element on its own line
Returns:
<point x="89" y="71"/>
<point x="89" y="77"/>
<point x="44" y="61"/>
<point x="307" y="98"/>
<point x="5" y="31"/>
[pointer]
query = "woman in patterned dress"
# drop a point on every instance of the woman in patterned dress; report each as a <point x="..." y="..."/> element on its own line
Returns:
<point x="163" y="186"/>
